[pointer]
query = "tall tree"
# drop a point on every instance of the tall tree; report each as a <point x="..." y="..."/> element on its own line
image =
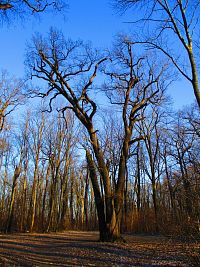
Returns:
<point x="36" y="130"/>
<point x="151" y="132"/>
<point x="12" y="200"/>
<point x="62" y="64"/>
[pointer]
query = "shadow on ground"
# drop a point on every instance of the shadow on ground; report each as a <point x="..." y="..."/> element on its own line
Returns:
<point x="83" y="249"/>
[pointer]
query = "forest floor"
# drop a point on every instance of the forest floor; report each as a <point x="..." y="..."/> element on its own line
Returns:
<point x="73" y="248"/>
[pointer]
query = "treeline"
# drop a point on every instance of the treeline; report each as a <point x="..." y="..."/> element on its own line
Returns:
<point x="45" y="180"/>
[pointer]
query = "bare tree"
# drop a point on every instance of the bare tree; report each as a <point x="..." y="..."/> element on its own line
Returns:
<point x="70" y="68"/>
<point x="37" y="135"/>
<point x="153" y="165"/>
<point x="191" y="116"/>
<point x="185" y="152"/>
<point x="10" y="96"/>
<point x="175" y="20"/>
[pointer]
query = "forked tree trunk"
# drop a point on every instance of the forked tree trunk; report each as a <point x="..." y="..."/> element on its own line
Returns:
<point x="109" y="230"/>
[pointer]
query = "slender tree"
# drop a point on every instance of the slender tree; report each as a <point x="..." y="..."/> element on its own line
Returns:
<point x="12" y="200"/>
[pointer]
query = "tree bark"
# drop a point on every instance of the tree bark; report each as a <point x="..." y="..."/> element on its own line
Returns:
<point x="12" y="200"/>
<point x="108" y="232"/>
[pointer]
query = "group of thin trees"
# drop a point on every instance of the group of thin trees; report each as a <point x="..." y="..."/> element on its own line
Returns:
<point x="44" y="183"/>
<point x="45" y="177"/>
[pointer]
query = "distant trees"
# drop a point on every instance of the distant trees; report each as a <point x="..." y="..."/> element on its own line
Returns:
<point x="184" y="145"/>
<point x="173" y="22"/>
<point x="35" y="192"/>
<point x="150" y="129"/>
<point x="63" y="194"/>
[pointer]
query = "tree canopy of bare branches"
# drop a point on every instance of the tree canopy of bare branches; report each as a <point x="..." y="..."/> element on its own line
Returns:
<point x="11" y="96"/>
<point x="174" y="27"/>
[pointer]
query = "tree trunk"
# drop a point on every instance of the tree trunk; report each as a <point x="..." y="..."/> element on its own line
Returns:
<point x="171" y="193"/>
<point x="155" y="204"/>
<point x="138" y="178"/>
<point x="186" y="185"/>
<point x="71" y="204"/>
<point x="111" y="231"/>
<point x="44" y="197"/>
<point x="51" y="205"/>
<point x="86" y="198"/>
<point x="24" y="194"/>
<point x="12" y="200"/>
<point x="33" y="195"/>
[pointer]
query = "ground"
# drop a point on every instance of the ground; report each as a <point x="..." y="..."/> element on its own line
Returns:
<point x="73" y="248"/>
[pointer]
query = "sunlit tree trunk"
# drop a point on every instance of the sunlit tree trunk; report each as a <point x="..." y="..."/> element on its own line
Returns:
<point x="86" y="199"/>
<point x="12" y="198"/>
<point x="37" y="149"/>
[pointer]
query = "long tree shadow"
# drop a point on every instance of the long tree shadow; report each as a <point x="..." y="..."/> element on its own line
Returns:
<point x="69" y="250"/>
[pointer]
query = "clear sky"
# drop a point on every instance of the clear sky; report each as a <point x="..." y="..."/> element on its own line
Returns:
<point x="94" y="21"/>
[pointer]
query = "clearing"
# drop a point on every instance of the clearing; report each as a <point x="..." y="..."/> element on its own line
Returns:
<point x="74" y="248"/>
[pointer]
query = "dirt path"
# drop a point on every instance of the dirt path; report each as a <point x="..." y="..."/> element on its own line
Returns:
<point x="82" y="249"/>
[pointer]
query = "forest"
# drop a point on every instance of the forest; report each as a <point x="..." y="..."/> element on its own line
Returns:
<point x="90" y="139"/>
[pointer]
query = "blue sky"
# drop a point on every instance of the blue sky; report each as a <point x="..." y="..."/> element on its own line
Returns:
<point x="95" y="21"/>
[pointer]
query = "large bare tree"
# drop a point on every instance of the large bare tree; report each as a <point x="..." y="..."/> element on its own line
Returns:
<point x="69" y="69"/>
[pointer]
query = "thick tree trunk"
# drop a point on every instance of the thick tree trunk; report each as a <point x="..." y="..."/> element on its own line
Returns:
<point x="119" y="192"/>
<point x="97" y="195"/>
<point x="108" y="231"/>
